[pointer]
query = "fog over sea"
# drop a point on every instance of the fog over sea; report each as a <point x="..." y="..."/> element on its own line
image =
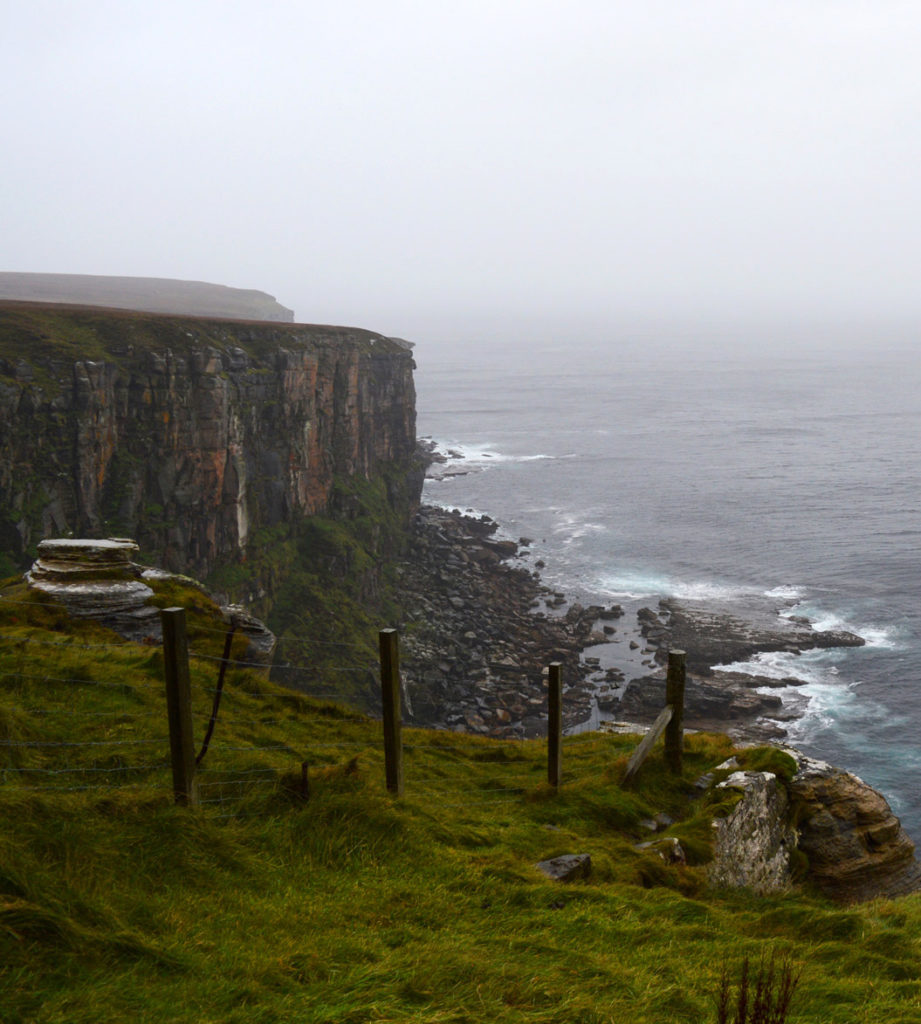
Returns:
<point x="651" y="465"/>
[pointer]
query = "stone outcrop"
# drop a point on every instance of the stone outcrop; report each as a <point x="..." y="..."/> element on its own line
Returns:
<point x="855" y="846"/>
<point x="721" y="702"/>
<point x="720" y="633"/>
<point x="198" y="438"/>
<point x="98" y="579"/>
<point x="714" y="635"/>
<point x="752" y="846"/>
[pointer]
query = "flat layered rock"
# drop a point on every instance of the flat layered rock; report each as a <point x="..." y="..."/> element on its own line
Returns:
<point x="98" y="579"/>
<point x="66" y="560"/>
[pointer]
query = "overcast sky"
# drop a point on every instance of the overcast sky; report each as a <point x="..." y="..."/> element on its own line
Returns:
<point x="430" y="168"/>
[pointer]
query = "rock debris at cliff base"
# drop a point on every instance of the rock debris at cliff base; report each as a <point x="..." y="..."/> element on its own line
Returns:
<point x="475" y="646"/>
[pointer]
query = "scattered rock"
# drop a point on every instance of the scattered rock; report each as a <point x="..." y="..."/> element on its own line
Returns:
<point x="668" y="848"/>
<point x="567" y="868"/>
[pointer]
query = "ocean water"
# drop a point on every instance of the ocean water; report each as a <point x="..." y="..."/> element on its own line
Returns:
<point x="649" y="466"/>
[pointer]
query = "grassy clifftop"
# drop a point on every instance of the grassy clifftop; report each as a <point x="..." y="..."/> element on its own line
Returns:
<point x="352" y="906"/>
<point x="152" y="294"/>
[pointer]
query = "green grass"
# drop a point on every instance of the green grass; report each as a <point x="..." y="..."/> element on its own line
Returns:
<point x="356" y="906"/>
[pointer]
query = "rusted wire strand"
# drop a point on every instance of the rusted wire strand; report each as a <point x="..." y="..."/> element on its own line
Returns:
<point x="228" y="641"/>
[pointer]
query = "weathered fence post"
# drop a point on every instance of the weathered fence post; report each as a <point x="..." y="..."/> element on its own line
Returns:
<point x="674" y="697"/>
<point x="554" y="723"/>
<point x="390" y="697"/>
<point x="179" y="705"/>
<point x="646" y="744"/>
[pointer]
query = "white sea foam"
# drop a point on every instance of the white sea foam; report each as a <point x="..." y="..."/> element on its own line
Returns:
<point x="484" y="455"/>
<point x="785" y="593"/>
<point x="571" y="528"/>
<point x="635" y="585"/>
<point x="632" y="586"/>
<point x="822" y="620"/>
<point x="464" y="510"/>
<point x="809" y="668"/>
<point x="706" y="590"/>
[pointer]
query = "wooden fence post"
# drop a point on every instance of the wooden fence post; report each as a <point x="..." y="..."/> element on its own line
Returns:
<point x="179" y="705"/>
<point x="674" y="697"/>
<point x="646" y="744"/>
<point x="555" y="723"/>
<point x="390" y="697"/>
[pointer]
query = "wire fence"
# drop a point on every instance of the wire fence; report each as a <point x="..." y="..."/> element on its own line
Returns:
<point x="92" y="732"/>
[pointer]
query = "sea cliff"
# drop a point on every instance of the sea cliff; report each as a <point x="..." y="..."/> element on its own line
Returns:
<point x="202" y="439"/>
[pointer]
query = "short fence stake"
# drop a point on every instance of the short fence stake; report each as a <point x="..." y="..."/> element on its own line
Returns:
<point x="674" y="697"/>
<point x="179" y="705"/>
<point x="555" y="723"/>
<point x="390" y="696"/>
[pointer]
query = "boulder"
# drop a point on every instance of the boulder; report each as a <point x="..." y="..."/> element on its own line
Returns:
<point x="567" y="867"/>
<point x="96" y="579"/>
<point x="856" y="846"/>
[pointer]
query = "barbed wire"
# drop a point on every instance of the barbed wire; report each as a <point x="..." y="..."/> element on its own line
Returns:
<point x="75" y="789"/>
<point x="282" y="638"/>
<point x="82" y="743"/>
<point x="49" y="604"/>
<point x="72" y="644"/>
<point x="160" y="766"/>
<point x="235" y="771"/>
<point x="120" y="715"/>
<point x="77" y="680"/>
<point x="251" y="749"/>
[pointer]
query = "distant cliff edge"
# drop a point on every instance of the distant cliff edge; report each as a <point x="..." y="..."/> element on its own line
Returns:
<point x="240" y="453"/>
<point x="145" y="294"/>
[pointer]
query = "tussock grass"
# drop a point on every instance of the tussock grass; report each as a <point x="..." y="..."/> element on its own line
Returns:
<point x="354" y="906"/>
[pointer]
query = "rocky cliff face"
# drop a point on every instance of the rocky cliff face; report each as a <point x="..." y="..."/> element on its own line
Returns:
<point x="196" y="437"/>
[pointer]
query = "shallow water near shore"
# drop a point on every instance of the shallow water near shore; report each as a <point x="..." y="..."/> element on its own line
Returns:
<point x="717" y="473"/>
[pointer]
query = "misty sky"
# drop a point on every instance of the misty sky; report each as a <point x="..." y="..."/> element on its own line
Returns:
<point x="429" y="168"/>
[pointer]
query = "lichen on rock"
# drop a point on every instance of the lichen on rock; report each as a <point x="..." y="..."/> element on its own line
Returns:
<point x="753" y="844"/>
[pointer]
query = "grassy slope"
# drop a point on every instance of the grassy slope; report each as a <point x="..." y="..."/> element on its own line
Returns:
<point x="116" y="905"/>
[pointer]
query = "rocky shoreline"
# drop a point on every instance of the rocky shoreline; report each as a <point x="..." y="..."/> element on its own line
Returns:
<point x="480" y="632"/>
<point x="480" y="629"/>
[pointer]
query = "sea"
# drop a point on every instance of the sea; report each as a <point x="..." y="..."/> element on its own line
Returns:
<point x="716" y="466"/>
